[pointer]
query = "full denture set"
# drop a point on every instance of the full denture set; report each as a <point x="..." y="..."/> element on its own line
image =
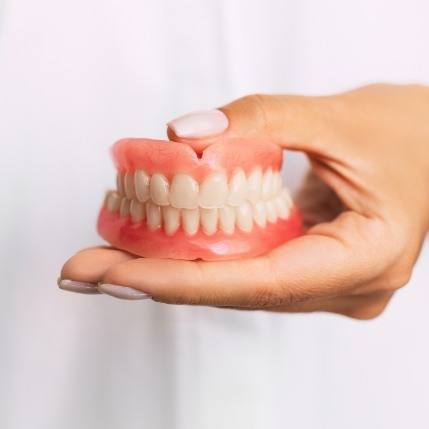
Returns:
<point x="170" y="202"/>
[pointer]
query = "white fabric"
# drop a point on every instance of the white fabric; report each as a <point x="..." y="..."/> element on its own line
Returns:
<point x="75" y="76"/>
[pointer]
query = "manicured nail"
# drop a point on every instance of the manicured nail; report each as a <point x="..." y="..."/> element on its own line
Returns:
<point x="122" y="292"/>
<point x="78" y="287"/>
<point x="200" y="124"/>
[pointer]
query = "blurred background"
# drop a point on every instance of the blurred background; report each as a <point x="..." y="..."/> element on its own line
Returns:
<point x="77" y="75"/>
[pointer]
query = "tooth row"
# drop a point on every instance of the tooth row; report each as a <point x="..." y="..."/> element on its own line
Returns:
<point x="227" y="218"/>
<point x="184" y="192"/>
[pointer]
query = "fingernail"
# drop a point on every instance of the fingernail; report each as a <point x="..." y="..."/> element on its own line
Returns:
<point x="122" y="292"/>
<point x="78" y="287"/>
<point x="200" y="124"/>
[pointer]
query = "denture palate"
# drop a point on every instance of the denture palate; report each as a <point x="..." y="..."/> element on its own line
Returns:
<point x="214" y="204"/>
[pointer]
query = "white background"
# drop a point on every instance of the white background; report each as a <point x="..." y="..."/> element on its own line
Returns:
<point x="77" y="75"/>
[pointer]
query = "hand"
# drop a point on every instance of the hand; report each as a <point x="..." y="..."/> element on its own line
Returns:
<point x="366" y="205"/>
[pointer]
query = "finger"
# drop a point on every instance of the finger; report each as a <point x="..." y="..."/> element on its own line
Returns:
<point x="329" y="261"/>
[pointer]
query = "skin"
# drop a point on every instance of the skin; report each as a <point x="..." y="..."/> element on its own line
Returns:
<point x="365" y="204"/>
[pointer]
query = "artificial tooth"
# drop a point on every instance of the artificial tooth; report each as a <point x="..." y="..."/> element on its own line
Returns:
<point x="142" y="180"/>
<point x="190" y="221"/>
<point x="267" y="184"/>
<point x="124" y="209"/>
<point x="171" y="219"/>
<point x="287" y="197"/>
<point x="237" y="188"/>
<point x="244" y="217"/>
<point x="209" y="219"/>
<point x="260" y="214"/>
<point x="153" y="216"/>
<point x="254" y="184"/>
<point x="184" y="192"/>
<point x="277" y="183"/>
<point x="113" y="201"/>
<point x="159" y="189"/>
<point x="120" y="183"/>
<point x="282" y="207"/>
<point x="271" y="211"/>
<point x="129" y="185"/>
<point x="137" y="211"/>
<point x="213" y="191"/>
<point x="227" y="219"/>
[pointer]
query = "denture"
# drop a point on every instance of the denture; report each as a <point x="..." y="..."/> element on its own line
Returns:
<point x="227" y="202"/>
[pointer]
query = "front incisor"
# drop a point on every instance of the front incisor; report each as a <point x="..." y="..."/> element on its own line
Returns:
<point x="184" y="191"/>
<point x="171" y="219"/>
<point x="214" y="191"/>
<point x="209" y="218"/>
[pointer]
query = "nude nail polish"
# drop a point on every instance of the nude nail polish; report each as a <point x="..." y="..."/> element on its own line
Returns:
<point x="122" y="292"/>
<point x="78" y="287"/>
<point x="199" y="124"/>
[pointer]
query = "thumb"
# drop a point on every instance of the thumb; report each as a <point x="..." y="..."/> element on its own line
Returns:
<point x="293" y="122"/>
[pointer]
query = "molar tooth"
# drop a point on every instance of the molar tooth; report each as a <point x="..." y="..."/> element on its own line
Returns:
<point x="184" y="192"/>
<point x="190" y="221"/>
<point x="244" y="217"/>
<point x="281" y="207"/>
<point x="113" y="201"/>
<point x="153" y="216"/>
<point x="227" y="219"/>
<point x="124" y="210"/>
<point x="260" y="214"/>
<point x="213" y="191"/>
<point x="267" y="184"/>
<point x="254" y="184"/>
<point x="209" y="220"/>
<point x="129" y="185"/>
<point x="142" y="180"/>
<point x="159" y="189"/>
<point x="271" y="211"/>
<point x="237" y="188"/>
<point x="120" y="183"/>
<point x="137" y="211"/>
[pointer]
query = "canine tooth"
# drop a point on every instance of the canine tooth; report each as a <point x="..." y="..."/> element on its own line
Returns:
<point x="159" y="189"/>
<point x="120" y="183"/>
<point x="271" y="211"/>
<point x="142" y="180"/>
<point x="184" y="192"/>
<point x="213" y="191"/>
<point x="137" y="211"/>
<point x="267" y="184"/>
<point x="124" y="210"/>
<point x="113" y="201"/>
<point x="281" y="207"/>
<point x="209" y="220"/>
<point x="171" y="219"/>
<point x="153" y="216"/>
<point x="227" y="219"/>
<point x="190" y="221"/>
<point x="254" y="184"/>
<point x="237" y="188"/>
<point x="260" y="214"/>
<point x="129" y="185"/>
<point x="244" y="217"/>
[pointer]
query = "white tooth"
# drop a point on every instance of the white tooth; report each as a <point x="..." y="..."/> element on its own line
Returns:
<point x="271" y="211"/>
<point x="141" y="180"/>
<point x="285" y="194"/>
<point x="120" y="183"/>
<point x="153" y="216"/>
<point x="260" y="214"/>
<point x="137" y="211"/>
<point x="124" y="210"/>
<point x="184" y="192"/>
<point x="159" y="189"/>
<point x="227" y="219"/>
<point x="190" y="221"/>
<point x="244" y="217"/>
<point x="209" y="220"/>
<point x="267" y="184"/>
<point x="237" y="188"/>
<point x="281" y="207"/>
<point x="113" y="201"/>
<point x="129" y="185"/>
<point x="254" y="184"/>
<point x="277" y="183"/>
<point x="171" y="218"/>
<point x="213" y="191"/>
